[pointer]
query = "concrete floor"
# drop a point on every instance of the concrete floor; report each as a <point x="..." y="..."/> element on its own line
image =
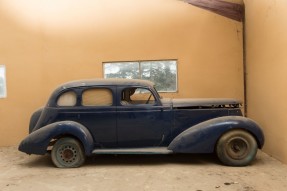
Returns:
<point x="136" y="172"/>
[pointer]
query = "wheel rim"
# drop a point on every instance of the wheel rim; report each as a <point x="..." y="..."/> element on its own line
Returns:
<point x="68" y="154"/>
<point x="237" y="148"/>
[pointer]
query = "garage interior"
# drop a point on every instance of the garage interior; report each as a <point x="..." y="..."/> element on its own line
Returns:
<point x="46" y="43"/>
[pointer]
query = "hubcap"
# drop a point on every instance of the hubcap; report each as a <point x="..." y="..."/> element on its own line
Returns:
<point x="237" y="148"/>
<point x="68" y="154"/>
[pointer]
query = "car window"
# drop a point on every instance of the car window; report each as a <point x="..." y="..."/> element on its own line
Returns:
<point x="67" y="99"/>
<point x="136" y="96"/>
<point x="97" y="97"/>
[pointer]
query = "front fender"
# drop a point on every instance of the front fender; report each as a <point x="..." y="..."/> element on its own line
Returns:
<point x="203" y="137"/>
<point x="38" y="141"/>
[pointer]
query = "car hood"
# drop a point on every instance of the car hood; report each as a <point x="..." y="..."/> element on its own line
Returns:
<point x="191" y="102"/>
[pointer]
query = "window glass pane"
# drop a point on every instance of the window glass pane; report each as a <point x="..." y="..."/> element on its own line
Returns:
<point x="129" y="70"/>
<point x="67" y="99"/>
<point x="135" y="96"/>
<point x="162" y="73"/>
<point x="97" y="97"/>
<point x="2" y="82"/>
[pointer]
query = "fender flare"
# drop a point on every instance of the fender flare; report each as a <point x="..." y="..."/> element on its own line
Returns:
<point x="38" y="141"/>
<point x="202" y="138"/>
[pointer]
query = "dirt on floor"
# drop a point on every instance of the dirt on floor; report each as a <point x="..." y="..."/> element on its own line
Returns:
<point x="19" y="171"/>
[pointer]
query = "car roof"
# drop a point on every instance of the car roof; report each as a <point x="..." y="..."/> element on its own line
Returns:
<point x="98" y="82"/>
<point x="109" y="81"/>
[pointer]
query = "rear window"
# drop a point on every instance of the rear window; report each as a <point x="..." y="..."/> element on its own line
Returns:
<point x="97" y="97"/>
<point x="67" y="99"/>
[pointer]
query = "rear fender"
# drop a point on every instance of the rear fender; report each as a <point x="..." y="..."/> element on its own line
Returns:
<point x="34" y="119"/>
<point x="203" y="137"/>
<point x="38" y="141"/>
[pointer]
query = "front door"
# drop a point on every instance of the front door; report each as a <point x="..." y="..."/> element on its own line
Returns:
<point x="141" y="120"/>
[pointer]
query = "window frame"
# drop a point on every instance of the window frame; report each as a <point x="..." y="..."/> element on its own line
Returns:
<point x="140" y="71"/>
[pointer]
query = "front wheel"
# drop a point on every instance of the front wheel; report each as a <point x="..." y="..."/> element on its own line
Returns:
<point x="67" y="153"/>
<point x="236" y="148"/>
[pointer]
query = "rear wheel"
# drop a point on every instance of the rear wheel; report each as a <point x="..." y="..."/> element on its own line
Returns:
<point x="68" y="153"/>
<point x="236" y="148"/>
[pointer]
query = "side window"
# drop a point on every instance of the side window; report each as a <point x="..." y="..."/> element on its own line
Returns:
<point x="67" y="99"/>
<point x="97" y="97"/>
<point x="136" y="96"/>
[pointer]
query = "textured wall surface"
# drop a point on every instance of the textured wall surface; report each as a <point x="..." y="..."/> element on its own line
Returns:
<point x="45" y="43"/>
<point x="266" y="42"/>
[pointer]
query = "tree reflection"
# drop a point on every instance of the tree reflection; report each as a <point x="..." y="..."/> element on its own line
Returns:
<point x="162" y="73"/>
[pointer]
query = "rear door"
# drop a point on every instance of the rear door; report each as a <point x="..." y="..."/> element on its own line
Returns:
<point x="93" y="107"/>
<point x="98" y="114"/>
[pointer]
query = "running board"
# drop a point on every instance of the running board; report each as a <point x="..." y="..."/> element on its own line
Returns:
<point x="150" y="150"/>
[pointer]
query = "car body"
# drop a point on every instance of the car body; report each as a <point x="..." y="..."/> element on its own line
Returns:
<point x="121" y="116"/>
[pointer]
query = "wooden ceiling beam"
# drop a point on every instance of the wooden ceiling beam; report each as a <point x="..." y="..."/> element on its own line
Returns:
<point x="230" y="10"/>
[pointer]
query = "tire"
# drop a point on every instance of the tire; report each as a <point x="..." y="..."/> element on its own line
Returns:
<point x="68" y="153"/>
<point x="236" y="148"/>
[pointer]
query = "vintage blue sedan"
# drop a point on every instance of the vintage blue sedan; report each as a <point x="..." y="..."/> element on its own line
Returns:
<point x="121" y="116"/>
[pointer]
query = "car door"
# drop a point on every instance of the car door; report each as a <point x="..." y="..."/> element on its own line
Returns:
<point x="141" y="120"/>
<point x="98" y="114"/>
<point x="94" y="108"/>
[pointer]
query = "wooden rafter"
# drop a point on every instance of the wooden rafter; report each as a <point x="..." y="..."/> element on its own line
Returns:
<point x="230" y="10"/>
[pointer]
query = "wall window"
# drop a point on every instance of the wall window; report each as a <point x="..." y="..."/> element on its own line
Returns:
<point x="3" y="92"/>
<point x="162" y="72"/>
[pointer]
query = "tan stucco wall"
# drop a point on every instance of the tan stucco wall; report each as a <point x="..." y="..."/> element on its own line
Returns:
<point x="46" y="43"/>
<point x="266" y="42"/>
